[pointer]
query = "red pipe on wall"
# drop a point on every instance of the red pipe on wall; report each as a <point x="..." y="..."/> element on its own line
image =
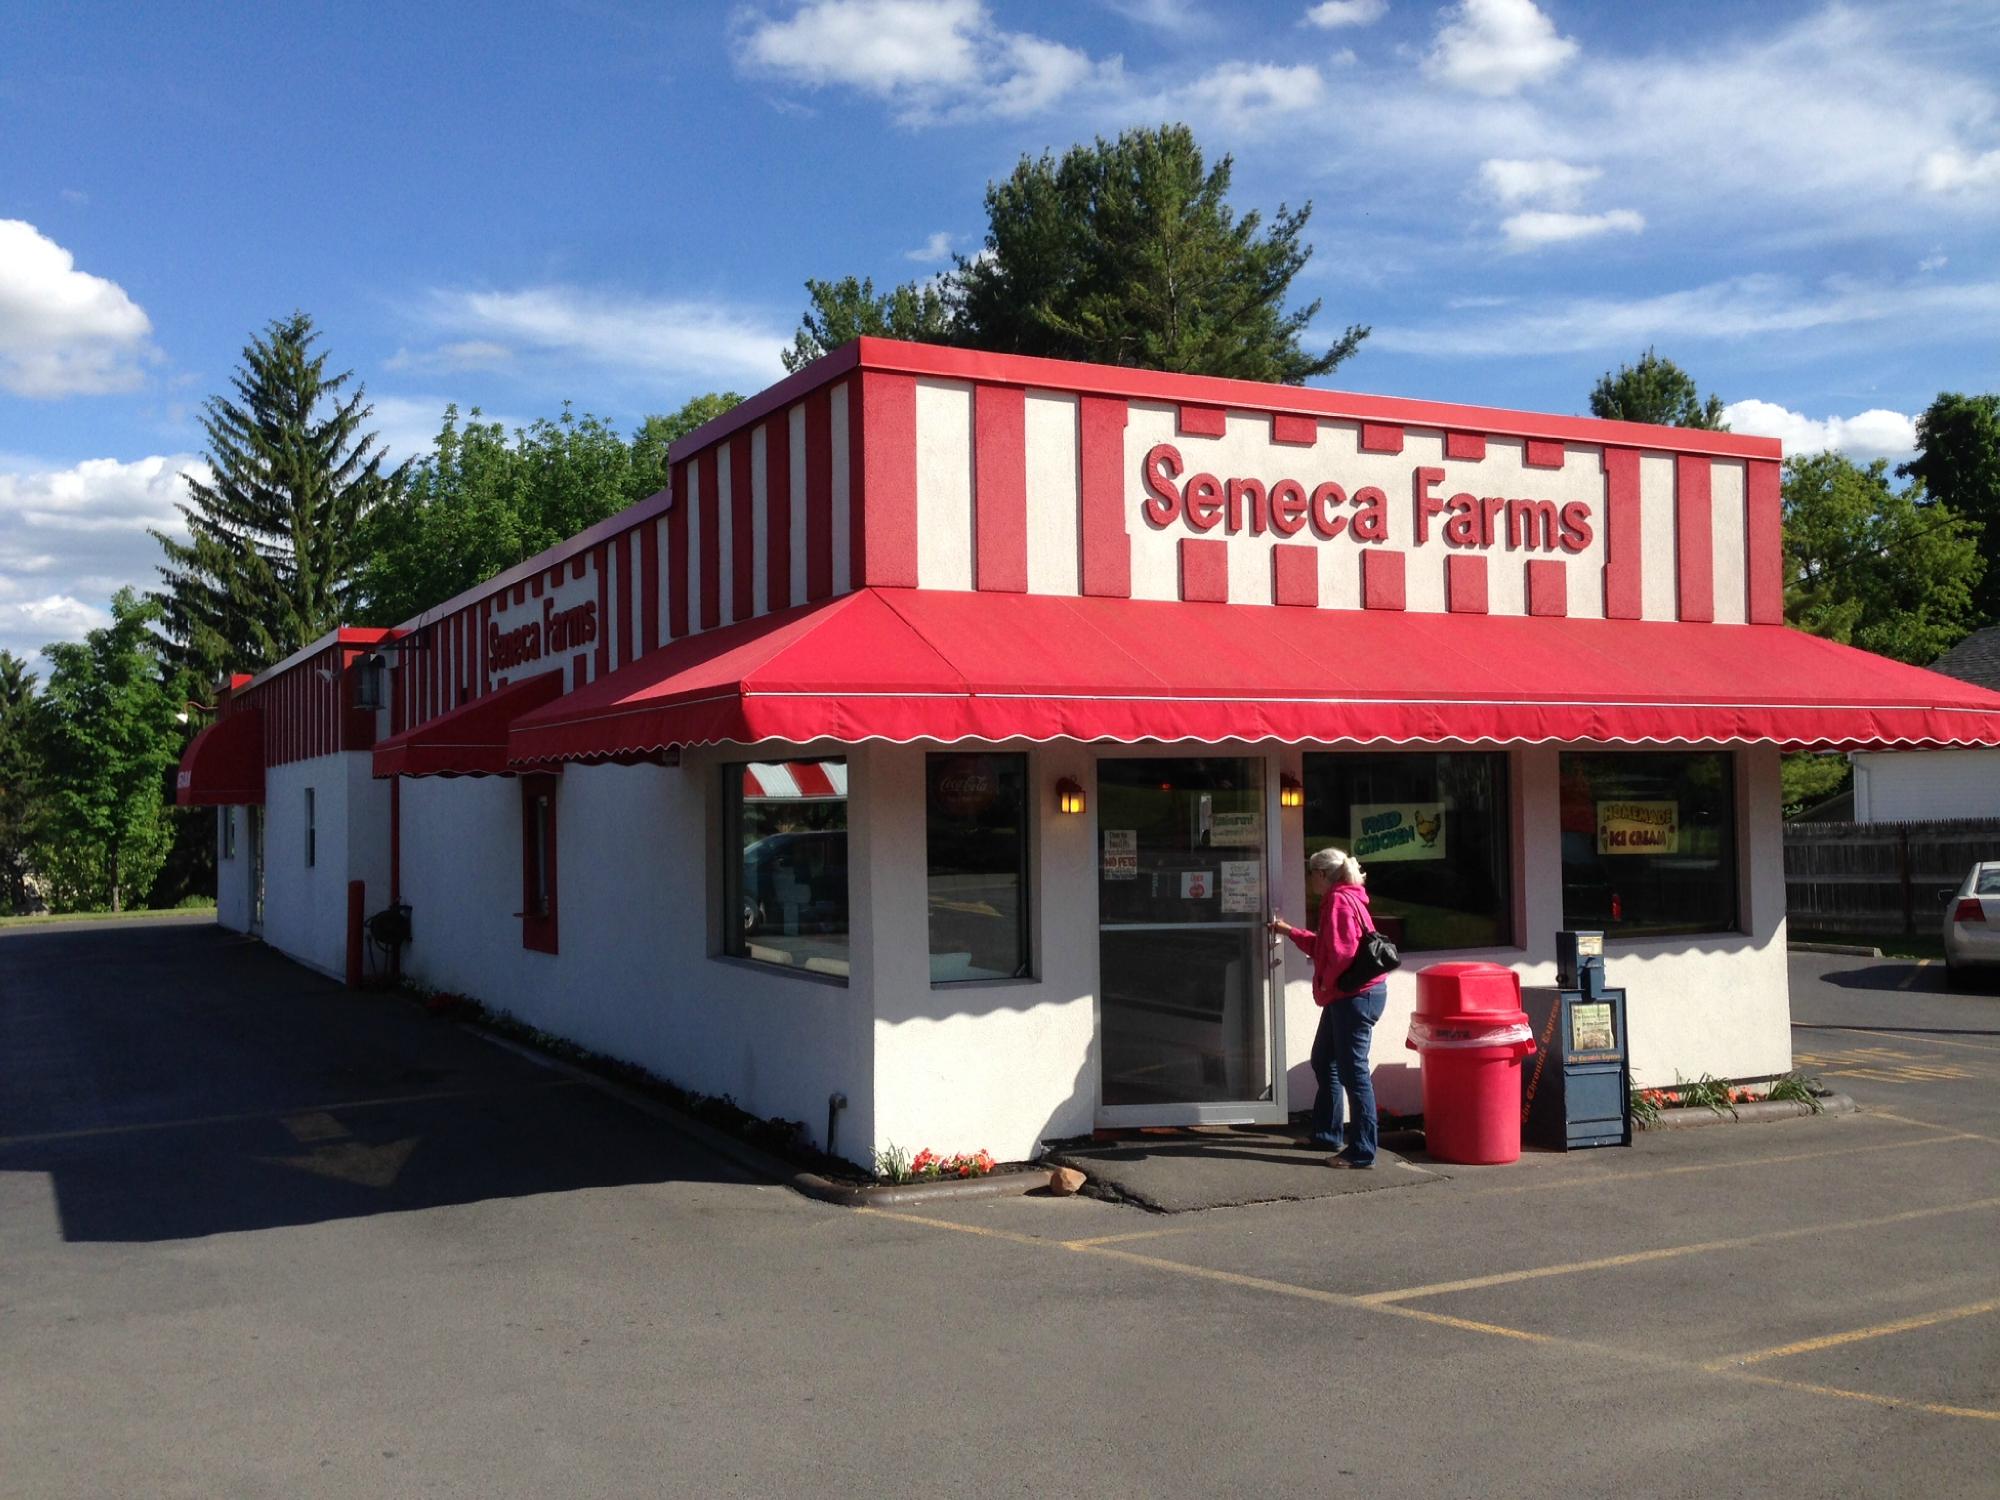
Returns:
<point x="357" y="905"/>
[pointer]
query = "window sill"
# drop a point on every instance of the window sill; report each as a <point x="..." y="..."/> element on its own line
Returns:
<point x="1012" y="982"/>
<point x="782" y="971"/>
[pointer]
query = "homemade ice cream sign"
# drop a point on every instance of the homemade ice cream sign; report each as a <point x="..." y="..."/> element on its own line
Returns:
<point x="1638" y="828"/>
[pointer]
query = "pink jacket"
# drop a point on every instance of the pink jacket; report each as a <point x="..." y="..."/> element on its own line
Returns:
<point x="1343" y="918"/>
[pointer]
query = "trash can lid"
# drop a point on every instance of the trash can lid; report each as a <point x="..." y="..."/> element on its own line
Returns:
<point x="1485" y="992"/>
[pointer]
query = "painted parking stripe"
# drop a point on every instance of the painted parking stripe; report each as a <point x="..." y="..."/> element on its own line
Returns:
<point x="1598" y="1180"/>
<point x="1855" y="1335"/>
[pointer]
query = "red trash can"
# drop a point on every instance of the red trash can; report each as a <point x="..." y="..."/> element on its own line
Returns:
<point x="1471" y="1033"/>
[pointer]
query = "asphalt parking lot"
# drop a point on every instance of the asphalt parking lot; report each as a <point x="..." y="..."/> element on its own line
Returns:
<point x="261" y="1237"/>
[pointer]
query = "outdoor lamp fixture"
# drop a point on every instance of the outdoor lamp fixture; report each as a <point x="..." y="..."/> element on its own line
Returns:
<point x="1069" y="796"/>
<point x="189" y="708"/>
<point x="1291" y="793"/>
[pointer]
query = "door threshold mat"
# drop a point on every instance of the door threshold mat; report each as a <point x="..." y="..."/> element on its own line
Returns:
<point x="1180" y="1170"/>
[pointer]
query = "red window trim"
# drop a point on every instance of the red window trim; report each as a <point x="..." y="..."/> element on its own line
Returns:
<point x="538" y="928"/>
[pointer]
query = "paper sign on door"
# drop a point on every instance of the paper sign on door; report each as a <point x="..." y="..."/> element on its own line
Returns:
<point x="1242" y="885"/>
<point x="1197" y="885"/>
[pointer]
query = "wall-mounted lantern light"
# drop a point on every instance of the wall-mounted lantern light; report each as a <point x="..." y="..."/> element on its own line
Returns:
<point x="1069" y="796"/>
<point x="1290" y="792"/>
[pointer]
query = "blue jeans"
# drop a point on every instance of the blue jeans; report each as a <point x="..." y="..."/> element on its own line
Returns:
<point x="1340" y="1065"/>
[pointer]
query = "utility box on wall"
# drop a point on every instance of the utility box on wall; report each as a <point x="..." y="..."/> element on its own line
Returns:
<point x="1577" y="1092"/>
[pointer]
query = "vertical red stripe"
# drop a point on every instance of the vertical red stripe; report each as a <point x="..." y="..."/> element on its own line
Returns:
<point x="742" y="540"/>
<point x="1624" y="542"/>
<point x="1107" y="549"/>
<point x="1548" y="587"/>
<point x="819" y="494"/>
<point x="1382" y="580"/>
<point x="1465" y="585"/>
<point x="778" y="509"/>
<point x="579" y="670"/>
<point x="602" y="562"/>
<point x="1000" y="488"/>
<point x="677" y="554"/>
<point x="811" y="778"/>
<point x="710" y="501"/>
<point x="884" y="499"/>
<point x="1694" y="535"/>
<point x="1204" y="571"/>
<point x="1764" y="544"/>
<point x="626" y="648"/>
<point x="485" y="617"/>
<point x="649" y="586"/>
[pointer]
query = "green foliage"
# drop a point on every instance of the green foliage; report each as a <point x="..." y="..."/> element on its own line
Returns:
<point x="848" y="309"/>
<point x="275" y="532"/>
<point x="1655" y="390"/>
<point x="1122" y="252"/>
<point x="1797" y="1088"/>
<point x="892" y="1163"/>
<point x="17" y="776"/>
<point x="1809" y="779"/>
<point x="1891" y="571"/>
<point x="107" y="742"/>
<point x="1958" y="464"/>
<point x="1706" y="1092"/>
<point x="479" y="502"/>
<point x="1645" y="1107"/>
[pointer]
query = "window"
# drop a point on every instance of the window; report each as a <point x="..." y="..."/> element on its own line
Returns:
<point x="976" y="843"/>
<point x="538" y="863"/>
<point x="1649" y="843"/>
<point x="312" y="831"/>
<point x="1431" y="831"/>
<point x="229" y="833"/>
<point x="785" y="863"/>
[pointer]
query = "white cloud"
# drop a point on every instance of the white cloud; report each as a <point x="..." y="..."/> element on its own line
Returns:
<point x="931" y="60"/>
<point x="70" y="538"/>
<point x="1336" y="13"/>
<point x="64" y="332"/>
<point x="1246" y="95"/>
<point x="1537" y="227"/>
<point x="1165" y="15"/>
<point x="653" y="337"/>
<point x="464" y="354"/>
<point x="1886" y="314"/>
<point x="1955" y="171"/>
<point x="932" y="250"/>
<point x="1876" y="433"/>
<point x="1933" y="262"/>
<point x="1497" y="47"/>
<point x="1545" y="181"/>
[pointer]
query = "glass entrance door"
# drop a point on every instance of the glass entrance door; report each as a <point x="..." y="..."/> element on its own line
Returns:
<point x="1184" y="957"/>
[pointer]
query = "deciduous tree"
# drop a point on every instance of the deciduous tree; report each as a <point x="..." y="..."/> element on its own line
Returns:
<point x="1958" y="464"/>
<point x="17" y="778"/>
<point x="275" y="527"/>
<point x="106" y="741"/>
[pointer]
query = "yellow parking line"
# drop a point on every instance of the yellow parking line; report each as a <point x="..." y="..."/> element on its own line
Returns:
<point x="1956" y="1134"/>
<point x="1596" y="1180"/>
<point x="273" y="1114"/>
<point x="1854" y="1336"/>
<point x="984" y="1231"/>
<point x="1916" y="973"/>
<point x="1120" y="1239"/>
<point x="1669" y="1252"/>
<point x="1935" y="1408"/>
<point x="1921" y="1038"/>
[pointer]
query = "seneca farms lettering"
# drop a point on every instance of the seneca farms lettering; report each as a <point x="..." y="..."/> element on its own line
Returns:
<point x="1287" y="507"/>
<point x="557" y="630"/>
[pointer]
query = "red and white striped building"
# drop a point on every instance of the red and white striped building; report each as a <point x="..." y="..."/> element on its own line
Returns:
<point x="759" y="783"/>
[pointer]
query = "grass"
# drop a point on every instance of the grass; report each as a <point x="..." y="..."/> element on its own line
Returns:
<point x="1892" y="944"/>
<point x="144" y="914"/>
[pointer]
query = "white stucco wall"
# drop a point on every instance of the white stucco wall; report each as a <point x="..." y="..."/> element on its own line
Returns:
<point x="305" y="907"/>
<point x="233" y="871"/>
<point x="1906" y="786"/>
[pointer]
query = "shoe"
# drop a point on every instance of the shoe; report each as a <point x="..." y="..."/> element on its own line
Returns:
<point x="1349" y="1164"/>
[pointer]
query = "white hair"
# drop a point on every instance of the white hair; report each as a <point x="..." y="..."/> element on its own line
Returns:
<point x="1338" y="866"/>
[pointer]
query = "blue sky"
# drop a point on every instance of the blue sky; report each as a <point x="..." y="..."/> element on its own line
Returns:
<point x="616" y="203"/>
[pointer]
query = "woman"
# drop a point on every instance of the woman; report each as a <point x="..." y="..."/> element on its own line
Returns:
<point x="1347" y="1018"/>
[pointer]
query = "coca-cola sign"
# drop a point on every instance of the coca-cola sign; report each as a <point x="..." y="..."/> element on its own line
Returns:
<point x="964" y="786"/>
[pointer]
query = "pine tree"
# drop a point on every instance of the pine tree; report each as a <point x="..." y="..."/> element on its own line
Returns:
<point x="1658" y="391"/>
<point x="274" y="531"/>
<point x="17" y="778"/>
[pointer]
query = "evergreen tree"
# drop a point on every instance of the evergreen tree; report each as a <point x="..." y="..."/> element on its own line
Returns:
<point x="17" y="778"/>
<point x="275" y="531"/>
<point x="106" y="744"/>
<point x="1658" y="391"/>
<point x="1122" y="252"/>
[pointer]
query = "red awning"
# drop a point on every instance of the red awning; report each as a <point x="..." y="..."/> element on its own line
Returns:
<point x="224" y="764"/>
<point x="907" y="664"/>
<point x="470" y="740"/>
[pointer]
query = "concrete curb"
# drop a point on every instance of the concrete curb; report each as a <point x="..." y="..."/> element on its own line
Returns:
<point x="1761" y="1112"/>
<point x="772" y="1169"/>
<point x="1845" y="950"/>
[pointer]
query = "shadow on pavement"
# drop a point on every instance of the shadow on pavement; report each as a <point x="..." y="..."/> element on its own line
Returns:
<point x="182" y="1081"/>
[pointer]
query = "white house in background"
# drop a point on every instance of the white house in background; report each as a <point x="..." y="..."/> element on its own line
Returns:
<point x="1909" y="786"/>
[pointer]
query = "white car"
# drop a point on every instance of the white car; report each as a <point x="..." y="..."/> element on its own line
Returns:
<point x="1972" y="922"/>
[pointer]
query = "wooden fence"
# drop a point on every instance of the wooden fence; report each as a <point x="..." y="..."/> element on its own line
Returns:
<point x="1880" y="877"/>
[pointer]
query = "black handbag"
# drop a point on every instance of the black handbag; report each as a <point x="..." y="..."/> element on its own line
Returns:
<point x="1375" y="957"/>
